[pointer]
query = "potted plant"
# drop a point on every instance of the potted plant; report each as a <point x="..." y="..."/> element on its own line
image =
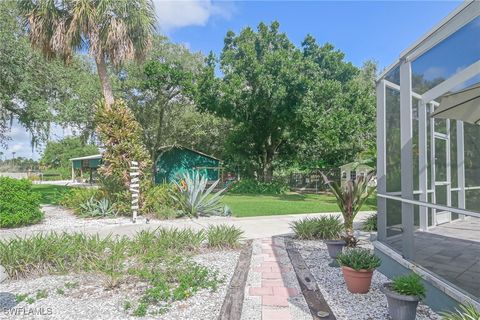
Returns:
<point x="403" y="295"/>
<point x="328" y="228"/>
<point x="350" y="200"/>
<point x="358" y="265"/>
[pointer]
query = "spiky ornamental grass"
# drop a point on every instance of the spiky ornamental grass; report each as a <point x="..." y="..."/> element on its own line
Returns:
<point x="409" y="285"/>
<point x="224" y="236"/>
<point x="326" y="227"/>
<point x="160" y="258"/>
<point x="464" y="312"/>
<point x="370" y="224"/>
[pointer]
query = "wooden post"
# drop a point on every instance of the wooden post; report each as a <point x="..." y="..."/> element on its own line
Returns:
<point x="135" y="188"/>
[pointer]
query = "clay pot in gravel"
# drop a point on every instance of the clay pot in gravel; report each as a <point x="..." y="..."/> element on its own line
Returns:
<point x="358" y="281"/>
<point x="400" y="307"/>
<point x="334" y="247"/>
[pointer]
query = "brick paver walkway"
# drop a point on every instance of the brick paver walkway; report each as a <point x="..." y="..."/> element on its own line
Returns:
<point x="273" y="291"/>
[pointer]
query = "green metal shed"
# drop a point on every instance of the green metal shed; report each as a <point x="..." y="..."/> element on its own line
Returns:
<point x="173" y="161"/>
<point x="88" y="164"/>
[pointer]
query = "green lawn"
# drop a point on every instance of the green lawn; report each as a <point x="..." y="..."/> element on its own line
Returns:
<point x="244" y="205"/>
<point x="49" y="193"/>
<point x="265" y="205"/>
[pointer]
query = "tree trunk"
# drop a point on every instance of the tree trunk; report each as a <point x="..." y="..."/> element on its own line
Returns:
<point x="104" y="81"/>
<point x="267" y="172"/>
<point x="267" y="159"/>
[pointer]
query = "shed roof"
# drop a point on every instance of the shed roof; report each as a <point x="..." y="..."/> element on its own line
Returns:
<point x="166" y="148"/>
<point x="92" y="157"/>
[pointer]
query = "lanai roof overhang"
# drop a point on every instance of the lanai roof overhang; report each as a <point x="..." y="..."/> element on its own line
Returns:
<point x="418" y="189"/>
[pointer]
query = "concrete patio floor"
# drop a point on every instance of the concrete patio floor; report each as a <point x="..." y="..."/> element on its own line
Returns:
<point x="452" y="251"/>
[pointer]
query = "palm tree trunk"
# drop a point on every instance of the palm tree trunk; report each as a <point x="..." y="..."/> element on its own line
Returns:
<point x="104" y="81"/>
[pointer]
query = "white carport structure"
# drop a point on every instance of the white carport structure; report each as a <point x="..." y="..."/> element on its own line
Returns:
<point x="428" y="168"/>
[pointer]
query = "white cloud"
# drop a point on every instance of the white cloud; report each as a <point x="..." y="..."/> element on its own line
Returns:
<point x="434" y="73"/>
<point x="174" y="14"/>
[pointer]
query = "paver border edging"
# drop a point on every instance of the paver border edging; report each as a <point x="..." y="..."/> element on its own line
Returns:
<point x="314" y="298"/>
<point x="233" y="302"/>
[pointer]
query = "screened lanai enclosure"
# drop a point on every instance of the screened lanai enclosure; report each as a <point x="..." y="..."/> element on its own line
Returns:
<point x="428" y="170"/>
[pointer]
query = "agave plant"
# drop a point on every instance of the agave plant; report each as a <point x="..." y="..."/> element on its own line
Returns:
<point x="351" y="198"/>
<point x="195" y="199"/>
<point x="94" y="208"/>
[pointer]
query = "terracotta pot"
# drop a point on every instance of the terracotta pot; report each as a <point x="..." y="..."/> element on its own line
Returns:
<point x="357" y="281"/>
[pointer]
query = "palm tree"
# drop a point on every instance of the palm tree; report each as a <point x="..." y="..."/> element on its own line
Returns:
<point x="112" y="30"/>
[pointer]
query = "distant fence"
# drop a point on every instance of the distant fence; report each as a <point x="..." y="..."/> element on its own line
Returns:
<point x="312" y="182"/>
<point x="14" y="175"/>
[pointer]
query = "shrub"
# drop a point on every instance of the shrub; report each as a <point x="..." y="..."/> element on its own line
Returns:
<point x="358" y="259"/>
<point x="250" y="186"/>
<point x="465" y="312"/>
<point x="370" y="224"/>
<point x="195" y="199"/>
<point x="224" y="236"/>
<point x="19" y="205"/>
<point x="159" y="202"/>
<point x="121" y="135"/>
<point x="326" y="227"/>
<point x="75" y="198"/>
<point x="409" y="285"/>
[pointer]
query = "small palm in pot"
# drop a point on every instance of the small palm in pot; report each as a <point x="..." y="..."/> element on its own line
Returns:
<point x="350" y="200"/>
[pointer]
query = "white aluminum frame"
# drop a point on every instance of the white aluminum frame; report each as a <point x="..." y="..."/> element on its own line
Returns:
<point x="465" y="13"/>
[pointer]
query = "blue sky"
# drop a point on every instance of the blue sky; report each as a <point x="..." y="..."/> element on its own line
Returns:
<point x="363" y="30"/>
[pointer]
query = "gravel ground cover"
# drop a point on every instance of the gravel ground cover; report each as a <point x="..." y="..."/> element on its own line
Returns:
<point x="82" y="296"/>
<point x="345" y="305"/>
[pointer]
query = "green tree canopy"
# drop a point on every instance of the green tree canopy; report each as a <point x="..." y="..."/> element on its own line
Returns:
<point x="38" y="92"/>
<point x="112" y="30"/>
<point x="260" y="90"/>
<point x="160" y="92"/>
<point x="305" y="106"/>
<point x="57" y="154"/>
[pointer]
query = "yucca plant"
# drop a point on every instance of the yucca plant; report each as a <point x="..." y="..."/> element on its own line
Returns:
<point x="195" y="199"/>
<point x="351" y="198"/>
<point x="465" y="312"/>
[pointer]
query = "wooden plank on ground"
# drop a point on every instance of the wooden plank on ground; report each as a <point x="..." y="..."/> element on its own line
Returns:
<point x="315" y="300"/>
<point x="233" y="303"/>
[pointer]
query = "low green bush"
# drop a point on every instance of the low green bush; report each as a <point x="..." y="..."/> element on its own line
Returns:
<point x="464" y="312"/>
<point x="75" y="198"/>
<point x="251" y="186"/>
<point x="359" y="259"/>
<point x="159" y="202"/>
<point x="224" y="236"/>
<point x="325" y="227"/>
<point x="409" y="285"/>
<point x="19" y="205"/>
<point x="370" y="224"/>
